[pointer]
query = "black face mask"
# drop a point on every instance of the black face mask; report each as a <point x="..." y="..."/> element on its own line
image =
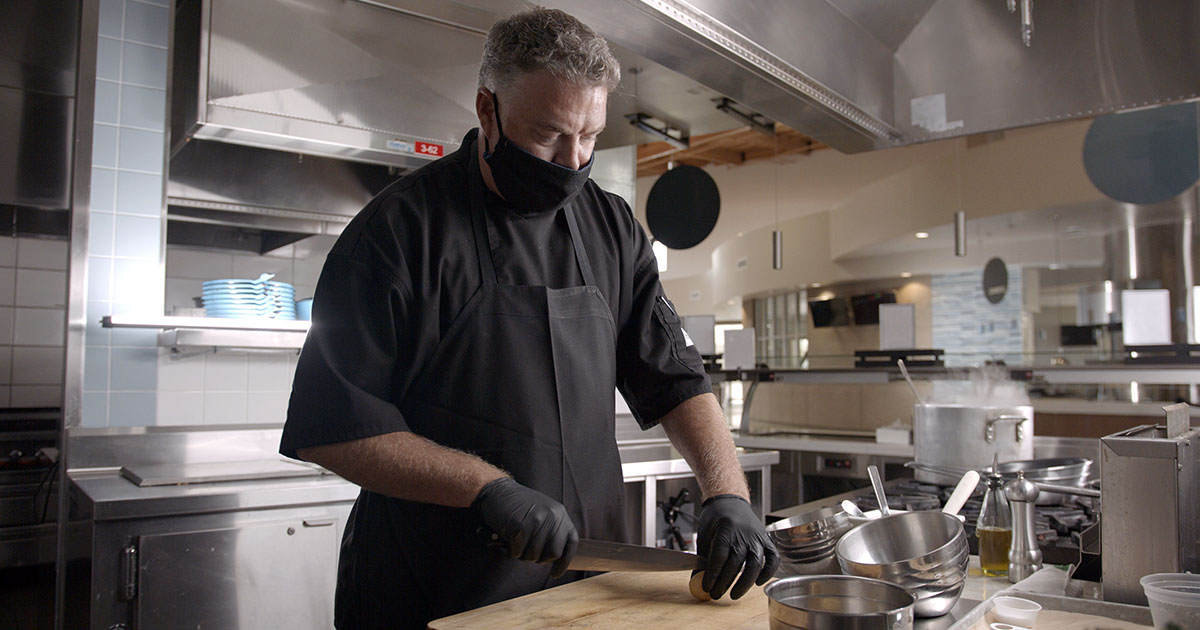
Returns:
<point x="528" y="182"/>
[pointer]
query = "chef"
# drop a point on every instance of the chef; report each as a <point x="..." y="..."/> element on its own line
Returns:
<point x="469" y="328"/>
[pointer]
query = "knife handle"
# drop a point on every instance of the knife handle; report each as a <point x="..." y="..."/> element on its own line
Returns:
<point x="695" y="585"/>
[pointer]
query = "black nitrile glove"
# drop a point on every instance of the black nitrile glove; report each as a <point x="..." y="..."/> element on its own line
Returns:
<point x="731" y="537"/>
<point x="531" y="525"/>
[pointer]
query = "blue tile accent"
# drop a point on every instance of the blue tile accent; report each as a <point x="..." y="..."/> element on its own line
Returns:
<point x="97" y="335"/>
<point x="99" y="272"/>
<point x="146" y="23"/>
<point x="130" y="337"/>
<point x="134" y="369"/>
<point x="104" y="146"/>
<point x="95" y="369"/>
<point x="143" y="107"/>
<point x="137" y="286"/>
<point x="108" y="59"/>
<point x="969" y="328"/>
<point x="95" y="409"/>
<point x="141" y="150"/>
<point x="144" y="65"/>
<point x="139" y="237"/>
<point x="104" y="190"/>
<point x="131" y="409"/>
<point x="139" y="193"/>
<point x="100" y="238"/>
<point x="108" y="102"/>
<point x="112" y="17"/>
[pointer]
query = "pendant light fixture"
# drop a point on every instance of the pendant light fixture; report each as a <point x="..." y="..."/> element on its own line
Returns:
<point x="777" y="234"/>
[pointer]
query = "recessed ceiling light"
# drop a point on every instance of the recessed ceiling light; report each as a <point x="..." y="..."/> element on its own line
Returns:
<point x="906" y="274"/>
<point x="1057" y="266"/>
<point x="731" y="302"/>
<point x="741" y="234"/>
<point x="921" y="235"/>
<point x="815" y="285"/>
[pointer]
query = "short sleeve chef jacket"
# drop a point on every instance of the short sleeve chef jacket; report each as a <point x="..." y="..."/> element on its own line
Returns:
<point x="405" y="267"/>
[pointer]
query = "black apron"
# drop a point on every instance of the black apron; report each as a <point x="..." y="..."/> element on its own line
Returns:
<point x="524" y="378"/>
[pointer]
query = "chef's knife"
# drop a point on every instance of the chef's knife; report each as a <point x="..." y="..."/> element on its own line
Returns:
<point x="599" y="555"/>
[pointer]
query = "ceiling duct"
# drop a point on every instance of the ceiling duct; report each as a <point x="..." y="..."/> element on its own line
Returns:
<point x="862" y="74"/>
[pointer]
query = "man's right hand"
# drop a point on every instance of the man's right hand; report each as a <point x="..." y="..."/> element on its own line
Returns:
<point x="532" y="526"/>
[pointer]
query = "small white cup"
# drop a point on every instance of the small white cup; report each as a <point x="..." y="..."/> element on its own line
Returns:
<point x="1017" y="611"/>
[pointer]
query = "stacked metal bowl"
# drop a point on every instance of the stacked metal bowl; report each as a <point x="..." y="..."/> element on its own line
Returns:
<point x="807" y="542"/>
<point x="924" y="552"/>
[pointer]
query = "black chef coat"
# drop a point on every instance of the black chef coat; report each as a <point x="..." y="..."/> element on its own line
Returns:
<point x="405" y="266"/>
<point x="395" y="282"/>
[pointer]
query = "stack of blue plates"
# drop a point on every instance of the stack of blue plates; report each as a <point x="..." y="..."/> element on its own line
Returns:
<point x="249" y="299"/>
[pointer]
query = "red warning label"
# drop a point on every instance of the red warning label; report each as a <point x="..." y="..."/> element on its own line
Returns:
<point x="428" y="148"/>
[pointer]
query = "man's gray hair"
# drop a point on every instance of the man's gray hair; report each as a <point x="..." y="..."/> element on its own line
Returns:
<point x="550" y="40"/>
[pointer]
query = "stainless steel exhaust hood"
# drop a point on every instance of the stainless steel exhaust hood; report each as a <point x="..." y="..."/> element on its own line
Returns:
<point x="339" y="79"/>
<point x="287" y="116"/>
<point x="862" y="74"/>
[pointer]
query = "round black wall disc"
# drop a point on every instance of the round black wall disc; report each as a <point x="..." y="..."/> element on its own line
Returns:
<point x="682" y="207"/>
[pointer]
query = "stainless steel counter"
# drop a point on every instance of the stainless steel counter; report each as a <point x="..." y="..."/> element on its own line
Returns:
<point x="105" y="496"/>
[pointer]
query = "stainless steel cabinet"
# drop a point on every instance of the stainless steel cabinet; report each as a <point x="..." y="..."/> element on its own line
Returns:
<point x="267" y="575"/>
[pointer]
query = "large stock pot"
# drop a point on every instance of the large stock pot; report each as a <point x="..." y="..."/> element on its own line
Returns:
<point x="965" y="436"/>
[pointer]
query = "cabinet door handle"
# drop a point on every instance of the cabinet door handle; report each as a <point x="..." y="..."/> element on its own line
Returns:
<point x="129" y="570"/>
<point x="319" y="522"/>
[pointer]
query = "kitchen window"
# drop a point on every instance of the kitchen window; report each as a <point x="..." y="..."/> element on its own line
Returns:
<point x="780" y="329"/>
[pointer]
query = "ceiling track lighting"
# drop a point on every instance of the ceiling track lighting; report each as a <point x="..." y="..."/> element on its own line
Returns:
<point x="671" y="135"/>
<point x="755" y="120"/>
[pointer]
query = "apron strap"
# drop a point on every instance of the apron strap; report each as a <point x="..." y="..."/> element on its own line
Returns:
<point x="483" y="250"/>
<point x="581" y="256"/>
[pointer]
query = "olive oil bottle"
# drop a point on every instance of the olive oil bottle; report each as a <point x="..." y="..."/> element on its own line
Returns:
<point x="994" y="527"/>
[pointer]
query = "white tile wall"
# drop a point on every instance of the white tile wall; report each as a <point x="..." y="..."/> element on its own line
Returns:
<point x="180" y="408"/>
<point x="31" y="332"/>
<point x="8" y="285"/>
<point x="224" y="407"/>
<point x="39" y="326"/>
<point x="7" y="319"/>
<point x="6" y="365"/>
<point x="39" y="287"/>
<point x="37" y="366"/>
<point x="104" y="192"/>
<point x="226" y="373"/>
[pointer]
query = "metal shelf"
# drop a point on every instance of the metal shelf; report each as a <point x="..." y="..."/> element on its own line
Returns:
<point x="194" y="335"/>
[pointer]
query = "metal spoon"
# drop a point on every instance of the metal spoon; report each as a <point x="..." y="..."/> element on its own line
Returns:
<point x="913" y="387"/>
<point x="877" y="484"/>
<point x="850" y="508"/>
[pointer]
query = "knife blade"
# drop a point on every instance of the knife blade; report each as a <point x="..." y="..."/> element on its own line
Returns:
<point x="599" y="555"/>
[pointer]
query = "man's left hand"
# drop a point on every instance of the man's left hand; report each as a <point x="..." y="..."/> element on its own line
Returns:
<point x="733" y="540"/>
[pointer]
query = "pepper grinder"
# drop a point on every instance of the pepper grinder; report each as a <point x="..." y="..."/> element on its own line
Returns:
<point x="1024" y="558"/>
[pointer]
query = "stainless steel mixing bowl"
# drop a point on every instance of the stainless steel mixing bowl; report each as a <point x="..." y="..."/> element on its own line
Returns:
<point x="823" y="602"/>
<point x="924" y="552"/>
<point x="806" y="543"/>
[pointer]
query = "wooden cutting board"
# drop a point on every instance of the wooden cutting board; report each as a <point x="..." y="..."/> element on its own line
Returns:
<point x="616" y="600"/>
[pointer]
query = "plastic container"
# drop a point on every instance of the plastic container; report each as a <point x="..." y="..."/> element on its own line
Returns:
<point x="1016" y="611"/>
<point x="1174" y="599"/>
